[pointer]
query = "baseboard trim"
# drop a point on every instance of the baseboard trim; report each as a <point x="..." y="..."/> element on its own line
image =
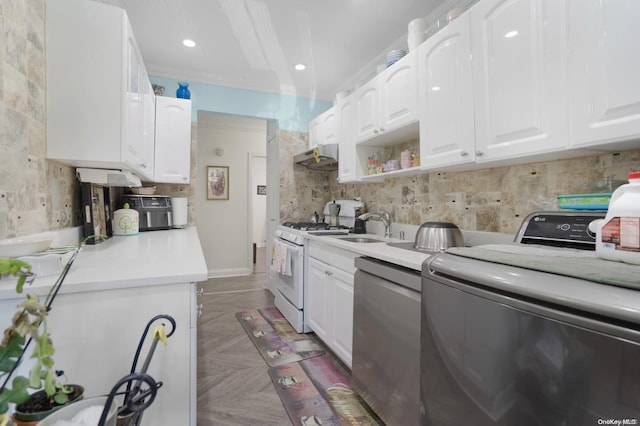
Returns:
<point x="223" y="273"/>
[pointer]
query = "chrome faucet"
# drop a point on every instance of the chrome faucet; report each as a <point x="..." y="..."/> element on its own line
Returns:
<point x="384" y="216"/>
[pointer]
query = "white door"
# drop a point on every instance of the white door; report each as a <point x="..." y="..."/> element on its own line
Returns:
<point x="446" y="97"/>
<point x="398" y="98"/>
<point x="329" y="132"/>
<point x="519" y="77"/>
<point x="315" y="131"/>
<point x="367" y="111"/>
<point x="173" y="140"/>
<point x="604" y="86"/>
<point x="342" y="304"/>
<point x="346" y="148"/>
<point x="317" y="309"/>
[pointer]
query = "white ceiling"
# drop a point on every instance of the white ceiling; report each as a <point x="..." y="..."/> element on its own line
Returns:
<point x="253" y="44"/>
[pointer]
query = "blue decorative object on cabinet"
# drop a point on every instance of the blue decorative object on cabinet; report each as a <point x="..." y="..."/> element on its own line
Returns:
<point x="183" y="91"/>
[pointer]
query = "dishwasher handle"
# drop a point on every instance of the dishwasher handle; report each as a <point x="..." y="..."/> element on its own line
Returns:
<point x="400" y="275"/>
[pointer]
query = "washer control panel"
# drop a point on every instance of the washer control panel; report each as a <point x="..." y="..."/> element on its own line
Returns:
<point x="560" y="229"/>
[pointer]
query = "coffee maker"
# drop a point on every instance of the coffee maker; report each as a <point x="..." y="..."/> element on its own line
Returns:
<point x="334" y="211"/>
<point x="342" y="213"/>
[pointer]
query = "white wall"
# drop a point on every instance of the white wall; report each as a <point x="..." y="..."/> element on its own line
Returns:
<point x="259" y="202"/>
<point x="223" y="225"/>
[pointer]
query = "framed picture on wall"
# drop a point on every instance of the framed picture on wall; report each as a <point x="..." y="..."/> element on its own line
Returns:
<point x="217" y="182"/>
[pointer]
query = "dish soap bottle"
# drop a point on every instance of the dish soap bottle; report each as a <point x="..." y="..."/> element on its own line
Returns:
<point x="618" y="235"/>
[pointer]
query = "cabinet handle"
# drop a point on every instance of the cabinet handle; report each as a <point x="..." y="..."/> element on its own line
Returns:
<point x="200" y="291"/>
<point x="479" y="153"/>
<point x="200" y="310"/>
<point x="328" y="273"/>
<point x="382" y="129"/>
<point x="376" y="131"/>
<point x="463" y="153"/>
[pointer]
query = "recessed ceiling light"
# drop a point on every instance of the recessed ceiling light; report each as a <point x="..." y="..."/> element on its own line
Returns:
<point x="189" y="43"/>
<point x="300" y="67"/>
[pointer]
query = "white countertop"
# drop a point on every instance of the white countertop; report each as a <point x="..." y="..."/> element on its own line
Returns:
<point x="148" y="258"/>
<point x="408" y="258"/>
<point x="379" y="250"/>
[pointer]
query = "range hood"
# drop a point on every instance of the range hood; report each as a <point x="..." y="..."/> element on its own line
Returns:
<point x="324" y="157"/>
<point x="108" y="177"/>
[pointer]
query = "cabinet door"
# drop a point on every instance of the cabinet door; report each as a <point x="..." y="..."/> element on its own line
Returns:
<point x="314" y="132"/>
<point x="342" y="302"/>
<point x="346" y="148"/>
<point x="173" y="140"/>
<point x="446" y="97"/>
<point x="93" y="342"/>
<point x="604" y="88"/>
<point x="329" y="132"/>
<point x="519" y="77"/>
<point x="398" y="98"/>
<point x="317" y="302"/>
<point x="367" y="111"/>
<point x="136" y="109"/>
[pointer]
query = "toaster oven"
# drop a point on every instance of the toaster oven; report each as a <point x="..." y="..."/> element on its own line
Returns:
<point x="154" y="210"/>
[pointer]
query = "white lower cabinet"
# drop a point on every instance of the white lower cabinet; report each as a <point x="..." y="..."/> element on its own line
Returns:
<point x="97" y="334"/>
<point x="329" y="302"/>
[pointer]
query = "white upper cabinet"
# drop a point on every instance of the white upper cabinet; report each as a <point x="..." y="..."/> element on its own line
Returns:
<point x="519" y="69"/>
<point x="329" y="127"/>
<point x="346" y="149"/>
<point x="388" y="101"/>
<point x="323" y="129"/>
<point x="173" y="140"/>
<point x="446" y="97"/>
<point x="100" y="104"/>
<point x="604" y="86"/>
<point x="315" y="126"/>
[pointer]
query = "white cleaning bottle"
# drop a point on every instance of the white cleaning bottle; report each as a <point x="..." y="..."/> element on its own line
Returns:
<point x="618" y="235"/>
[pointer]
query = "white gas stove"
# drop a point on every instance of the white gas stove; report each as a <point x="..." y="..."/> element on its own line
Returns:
<point x="288" y="274"/>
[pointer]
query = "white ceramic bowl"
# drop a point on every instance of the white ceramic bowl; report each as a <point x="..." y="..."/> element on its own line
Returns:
<point x="16" y="247"/>
<point x="69" y="411"/>
<point x="144" y="190"/>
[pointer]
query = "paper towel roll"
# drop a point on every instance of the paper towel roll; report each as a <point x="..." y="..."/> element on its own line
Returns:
<point x="179" y="211"/>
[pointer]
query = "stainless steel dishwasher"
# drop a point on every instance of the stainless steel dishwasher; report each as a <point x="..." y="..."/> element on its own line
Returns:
<point x="386" y="340"/>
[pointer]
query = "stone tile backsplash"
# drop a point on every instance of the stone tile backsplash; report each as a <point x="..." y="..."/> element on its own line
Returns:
<point x="36" y="194"/>
<point x="495" y="199"/>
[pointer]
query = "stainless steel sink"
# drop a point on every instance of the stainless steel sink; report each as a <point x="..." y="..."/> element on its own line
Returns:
<point x="360" y="240"/>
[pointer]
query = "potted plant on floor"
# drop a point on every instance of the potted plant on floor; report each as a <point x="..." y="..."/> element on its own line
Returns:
<point x="29" y="325"/>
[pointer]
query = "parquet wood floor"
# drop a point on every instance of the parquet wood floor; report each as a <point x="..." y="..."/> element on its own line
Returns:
<point x="234" y="388"/>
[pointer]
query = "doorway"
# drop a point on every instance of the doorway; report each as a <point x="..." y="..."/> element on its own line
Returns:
<point x="225" y="227"/>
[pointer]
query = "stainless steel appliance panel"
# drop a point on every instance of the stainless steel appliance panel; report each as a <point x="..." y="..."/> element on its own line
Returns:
<point x="386" y="340"/>
<point x="491" y="357"/>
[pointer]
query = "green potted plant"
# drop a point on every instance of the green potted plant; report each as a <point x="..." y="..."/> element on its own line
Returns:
<point x="29" y="325"/>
